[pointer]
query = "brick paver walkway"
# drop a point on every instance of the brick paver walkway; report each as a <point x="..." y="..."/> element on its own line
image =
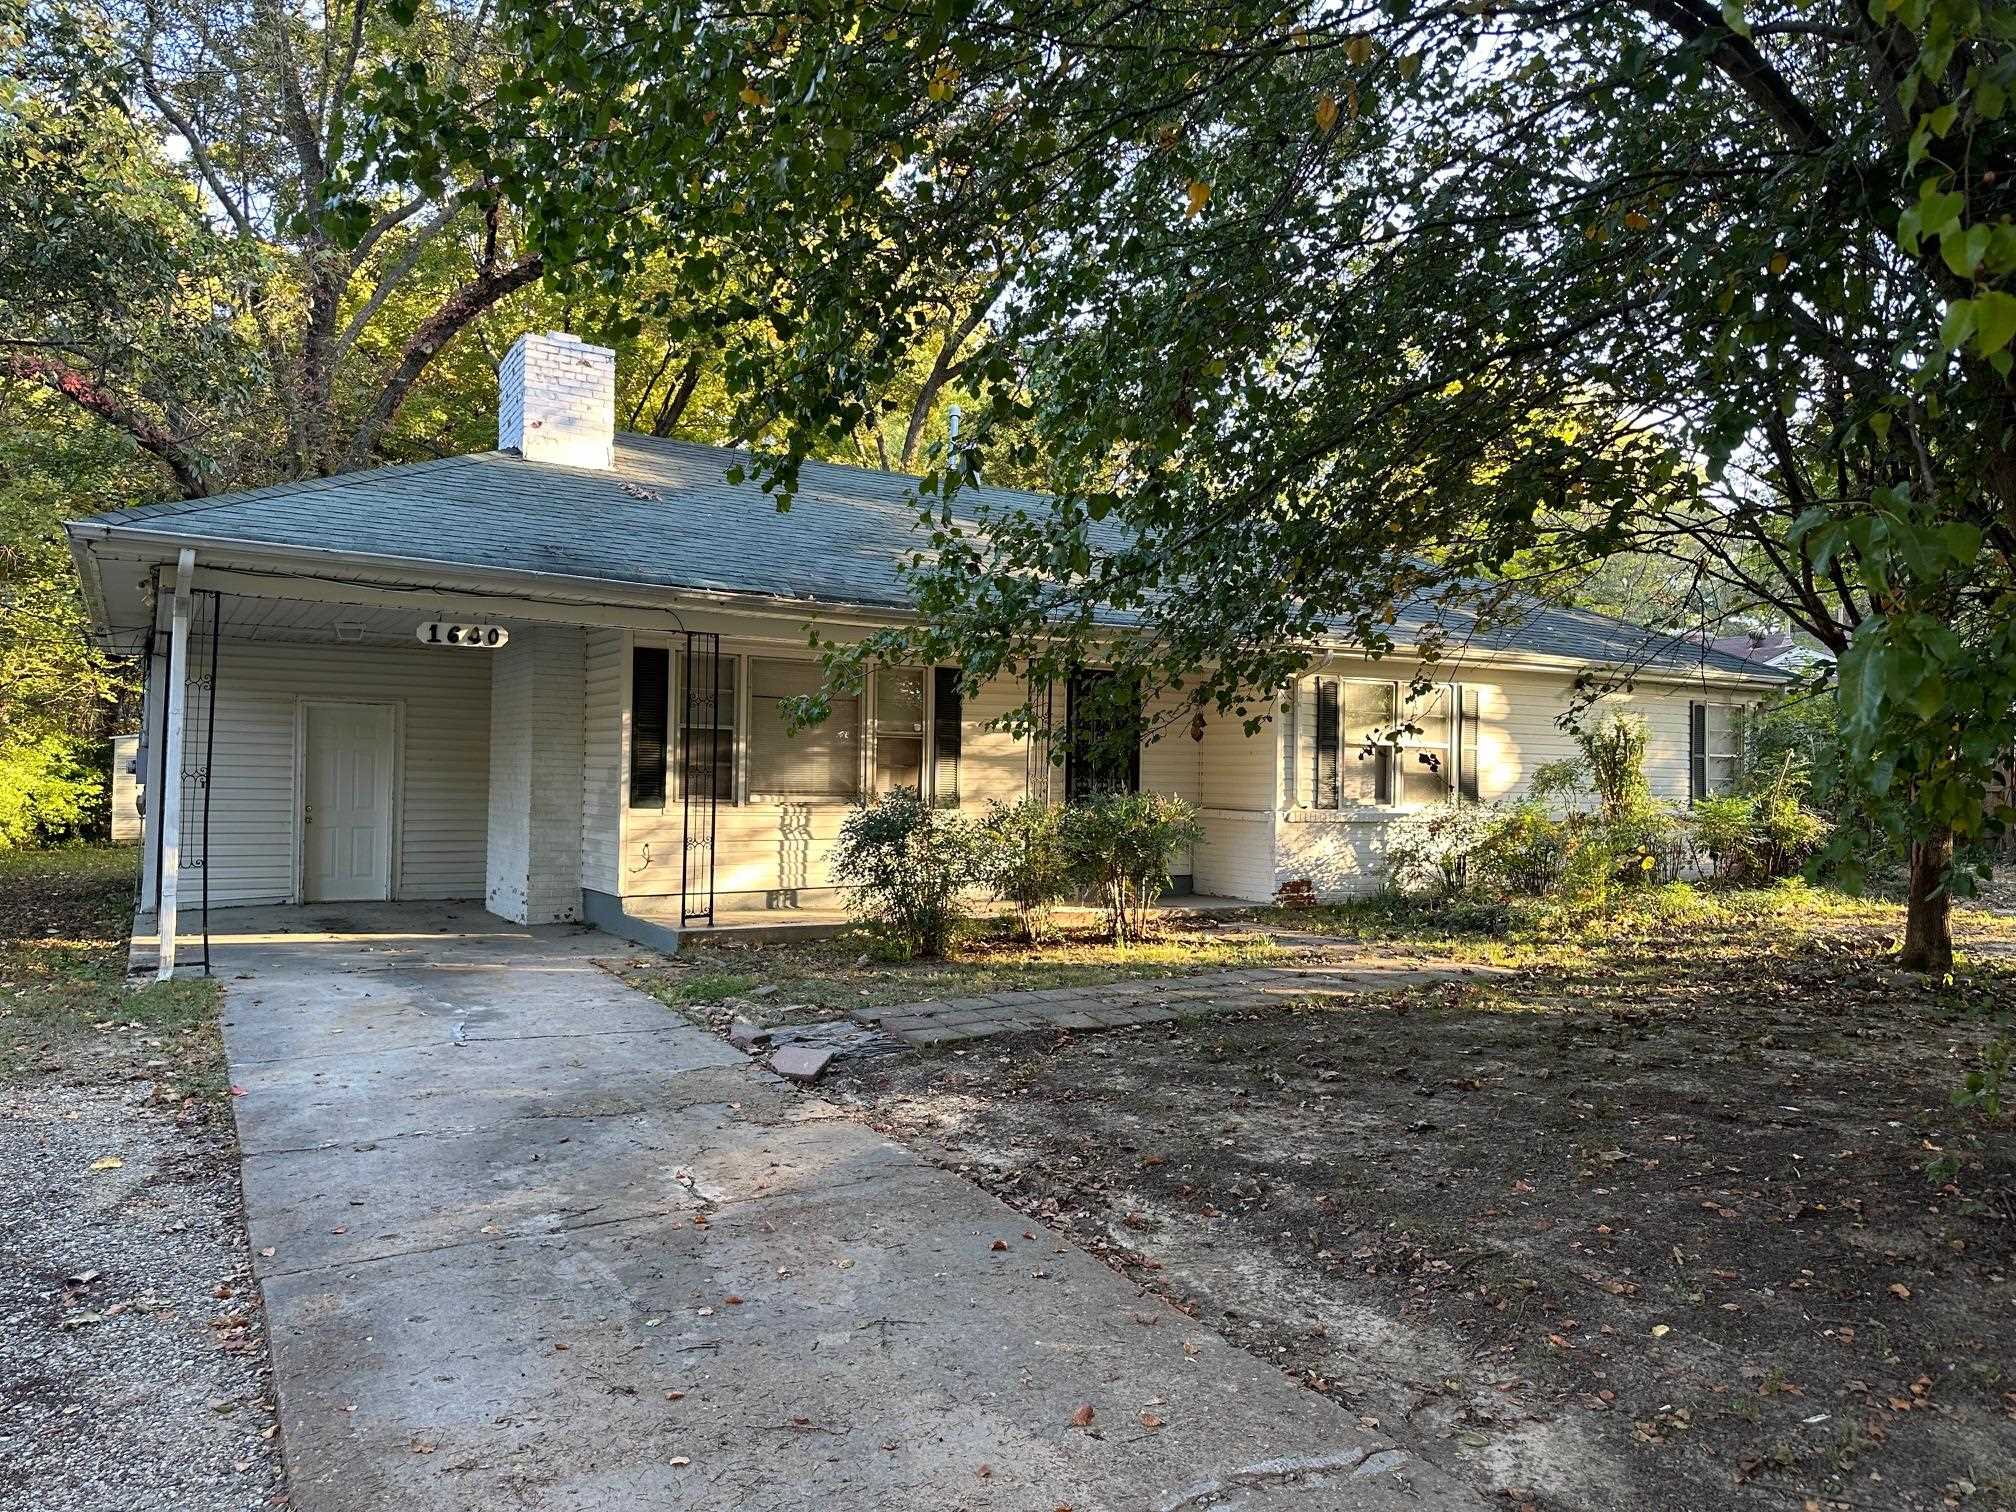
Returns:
<point x="1116" y="1005"/>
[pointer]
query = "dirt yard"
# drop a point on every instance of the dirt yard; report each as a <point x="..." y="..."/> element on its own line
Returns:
<point x="132" y="1358"/>
<point x="1680" y="1216"/>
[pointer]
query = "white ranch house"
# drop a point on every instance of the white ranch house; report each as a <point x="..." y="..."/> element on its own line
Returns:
<point x="547" y="677"/>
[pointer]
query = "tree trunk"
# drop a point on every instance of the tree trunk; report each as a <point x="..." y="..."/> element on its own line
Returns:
<point x="1928" y="918"/>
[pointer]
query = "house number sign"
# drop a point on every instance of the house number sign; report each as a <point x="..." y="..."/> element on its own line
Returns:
<point x="445" y="633"/>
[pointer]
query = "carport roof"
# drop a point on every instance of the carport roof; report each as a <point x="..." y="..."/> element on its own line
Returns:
<point x="665" y="516"/>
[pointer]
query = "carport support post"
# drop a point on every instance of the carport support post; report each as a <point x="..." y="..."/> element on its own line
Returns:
<point x="171" y="766"/>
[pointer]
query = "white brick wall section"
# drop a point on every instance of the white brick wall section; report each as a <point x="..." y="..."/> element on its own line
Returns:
<point x="534" y="851"/>
<point x="556" y="400"/>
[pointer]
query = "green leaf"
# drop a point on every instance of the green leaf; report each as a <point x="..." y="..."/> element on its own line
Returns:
<point x="1861" y="690"/>
<point x="1964" y="250"/>
<point x="1958" y="324"/>
<point x="1994" y="321"/>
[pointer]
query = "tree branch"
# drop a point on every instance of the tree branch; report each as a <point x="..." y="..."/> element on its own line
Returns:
<point x="435" y="332"/>
<point x="96" y="400"/>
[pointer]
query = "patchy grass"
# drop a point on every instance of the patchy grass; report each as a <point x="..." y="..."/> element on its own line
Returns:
<point x="809" y="979"/>
<point x="1678" y="1214"/>
<point x="1525" y="933"/>
<point x="65" y="1009"/>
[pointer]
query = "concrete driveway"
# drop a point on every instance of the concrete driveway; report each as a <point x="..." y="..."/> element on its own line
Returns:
<point x="527" y="1239"/>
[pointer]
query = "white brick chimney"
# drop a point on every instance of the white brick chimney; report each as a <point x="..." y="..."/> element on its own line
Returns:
<point x="556" y="400"/>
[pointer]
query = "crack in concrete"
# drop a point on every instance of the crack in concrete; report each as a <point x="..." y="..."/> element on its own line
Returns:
<point x="1289" y="1473"/>
<point x="455" y="1244"/>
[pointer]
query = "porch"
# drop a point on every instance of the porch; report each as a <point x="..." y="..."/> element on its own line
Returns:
<point x="342" y="744"/>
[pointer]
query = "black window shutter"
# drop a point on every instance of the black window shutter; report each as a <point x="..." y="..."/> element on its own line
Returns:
<point x="650" y="724"/>
<point x="1697" y="750"/>
<point x="1467" y="720"/>
<point x="948" y="709"/>
<point x="1329" y="725"/>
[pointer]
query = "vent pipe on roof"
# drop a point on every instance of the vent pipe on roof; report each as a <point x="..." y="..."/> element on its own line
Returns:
<point x="556" y="400"/>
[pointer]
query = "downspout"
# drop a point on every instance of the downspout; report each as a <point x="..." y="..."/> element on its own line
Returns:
<point x="171" y="766"/>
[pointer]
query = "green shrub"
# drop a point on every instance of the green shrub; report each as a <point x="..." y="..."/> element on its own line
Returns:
<point x="1522" y="851"/>
<point x="1434" y="851"/>
<point x="1723" y="832"/>
<point x="1122" y="849"/>
<point x="1589" y="876"/>
<point x="906" y="865"/>
<point x="1757" y="838"/>
<point x="1023" y="845"/>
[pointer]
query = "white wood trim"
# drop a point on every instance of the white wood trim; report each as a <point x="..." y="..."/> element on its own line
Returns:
<point x="171" y="769"/>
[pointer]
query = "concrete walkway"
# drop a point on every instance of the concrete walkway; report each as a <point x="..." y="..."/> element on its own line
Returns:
<point x="1118" y="1005"/>
<point x="526" y="1240"/>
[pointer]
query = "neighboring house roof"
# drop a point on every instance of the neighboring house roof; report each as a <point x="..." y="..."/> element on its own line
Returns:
<point x="1774" y="648"/>
<point x="664" y="516"/>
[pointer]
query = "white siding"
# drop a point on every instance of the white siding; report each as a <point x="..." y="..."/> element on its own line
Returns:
<point x="602" y="746"/>
<point x="442" y="774"/>
<point x="1235" y="789"/>
<point x="1345" y="852"/>
<point x="533" y="872"/>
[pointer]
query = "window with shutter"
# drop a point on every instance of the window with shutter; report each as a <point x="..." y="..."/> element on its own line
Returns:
<point x="1355" y="760"/>
<point x="822" y="762"/>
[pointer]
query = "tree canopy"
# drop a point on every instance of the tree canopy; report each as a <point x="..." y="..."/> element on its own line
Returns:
<point x="1311" y="313"/>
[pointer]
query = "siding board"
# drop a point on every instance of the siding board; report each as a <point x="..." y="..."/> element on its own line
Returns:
<point x="441" y="808"/>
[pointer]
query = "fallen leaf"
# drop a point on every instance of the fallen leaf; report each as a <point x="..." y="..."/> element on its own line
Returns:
<point x="679" y="1460"/>
<point x="998" y="1245"/>
<point x="236" y="1090"/>
<point x="1082" y="1418"/>
<point x="1660" y="1330"/>
<point x="1150" y="1421"/>
<point x="1899" y="1290"/>
<point x="107" y="1163"/>
<point x="731" y="1301"/>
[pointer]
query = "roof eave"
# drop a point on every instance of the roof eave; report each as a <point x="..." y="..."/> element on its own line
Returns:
<point x="384" y="570"/>
<point x="380" y="570"/>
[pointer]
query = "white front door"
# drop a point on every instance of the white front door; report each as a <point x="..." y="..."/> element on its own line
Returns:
<point x="346" y="811"/>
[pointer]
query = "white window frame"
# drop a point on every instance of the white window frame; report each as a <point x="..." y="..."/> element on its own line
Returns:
<point x="1406" y="745"/>
<point x="1733" y="715"/>
<point x="927" y="773"/>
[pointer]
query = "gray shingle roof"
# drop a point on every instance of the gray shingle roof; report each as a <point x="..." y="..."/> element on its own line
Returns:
<point x="665" y="516"/>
